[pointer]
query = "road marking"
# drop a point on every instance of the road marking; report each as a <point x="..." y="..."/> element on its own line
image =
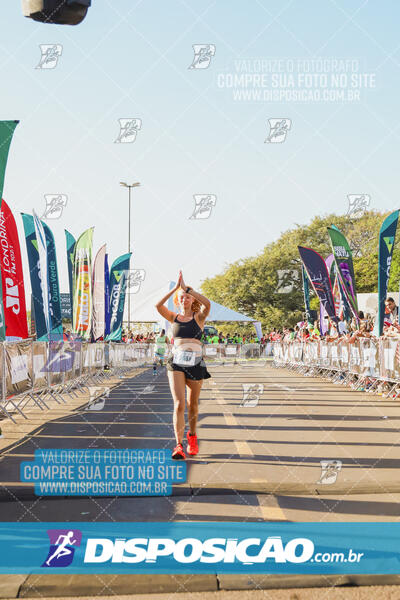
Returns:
<point x="242" y="447"/>
<point x="272" y="513"/>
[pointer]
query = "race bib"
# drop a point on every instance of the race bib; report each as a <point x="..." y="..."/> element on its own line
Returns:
<point x="184" y="358"/>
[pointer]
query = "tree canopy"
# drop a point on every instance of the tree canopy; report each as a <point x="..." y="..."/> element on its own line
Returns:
<point x="258" y="286"/>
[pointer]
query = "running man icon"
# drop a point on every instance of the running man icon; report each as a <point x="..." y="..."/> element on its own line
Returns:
<point x="61" y="551"/>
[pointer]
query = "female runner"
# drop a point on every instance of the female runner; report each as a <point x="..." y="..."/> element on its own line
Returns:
<point x="186" y="366"/>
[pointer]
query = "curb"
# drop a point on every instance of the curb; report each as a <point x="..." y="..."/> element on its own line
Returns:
<point x="26" y="491"/>
<point x="39" y="586"/>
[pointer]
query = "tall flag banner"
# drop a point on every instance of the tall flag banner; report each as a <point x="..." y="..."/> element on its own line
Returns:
<point x="12" y="279"/>
<point x="43" y="269"/>
<point x="107" y="314"/>
<point x="170" y="306"/>
<point x="387" y="236"/>
<point x="344" y="266"/>
<point x="257" y="327"/>
<point x="118" y="282"/>
<point x="318" y="275"/>
<point x="71" y="241"/>
<point x="323" y="325"/>
<point x="98" y="322"/>
<point x="56" y="330"/>
<point x="329" y="261"/>
<point x="329" y="264"/>
<point x="82" y="285"/>
<point x="41" y="322"/>
<point x="306" y="293"/>
<point x="7" y="129"/>
<point x="337" y="298"/>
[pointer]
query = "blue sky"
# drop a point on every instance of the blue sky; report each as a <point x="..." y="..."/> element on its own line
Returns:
<point x="130" y="59"/>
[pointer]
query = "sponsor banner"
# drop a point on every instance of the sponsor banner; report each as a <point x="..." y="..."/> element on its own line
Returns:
<point x="82" y="285"/>
<point x="118" y="281"/>
<point x="257" y="327"/>
<point x="387" y="236"/>
<point x="103" y="472"/>
<point x="66" y="308"/>
<point x="318" y="275"/>
<point x="107" y="314"/>
<point x="201" y="547"/>
<point x="12" y="278"/>
<point x="7" y="129"/>
<point x="41" y="245"/>
<point x="35" y="272"/>
<point x="18" y="367"/>
<point x="71" y="241"/>
<point x="344" y="267"/>
<point x="56" y="332"/>
<point x="306" y="293"/>
<point x="98" y="325"/>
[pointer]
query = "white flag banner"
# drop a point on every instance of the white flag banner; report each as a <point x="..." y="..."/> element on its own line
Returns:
<point x="98" y="315"/>
<point x="257" y="325"/>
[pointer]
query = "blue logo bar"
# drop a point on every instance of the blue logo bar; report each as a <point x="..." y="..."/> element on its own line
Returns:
<point x="188" y="547"/>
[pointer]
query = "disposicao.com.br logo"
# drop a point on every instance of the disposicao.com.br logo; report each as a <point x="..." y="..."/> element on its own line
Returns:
<point x="185" y="547"/>
<point x="61" y="551"/>
<point x="190" y="550"/>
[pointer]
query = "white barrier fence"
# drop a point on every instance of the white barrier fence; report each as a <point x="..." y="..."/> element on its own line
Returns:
<point x="366" y="360"/>
<point x="37" y="371"/>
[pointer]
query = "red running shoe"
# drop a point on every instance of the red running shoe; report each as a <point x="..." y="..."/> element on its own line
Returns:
<point x="178" y="453"/>
<point x="193" y="446"/>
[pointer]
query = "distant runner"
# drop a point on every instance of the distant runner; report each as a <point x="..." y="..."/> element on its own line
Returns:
<point x="160" y="350"/>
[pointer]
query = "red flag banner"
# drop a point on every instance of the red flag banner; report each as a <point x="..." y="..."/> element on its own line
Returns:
<point x="12" y="276"/>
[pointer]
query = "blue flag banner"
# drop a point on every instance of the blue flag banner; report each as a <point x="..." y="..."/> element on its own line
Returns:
<point x="56" y="331"/>
<point x="200" y="547"/>
<point x="41" y="321"/>
<point x="118" y="280"/>
<point x="387" y="236"/>
<point x="318" y="275"/>
<point x="107" y="315"/>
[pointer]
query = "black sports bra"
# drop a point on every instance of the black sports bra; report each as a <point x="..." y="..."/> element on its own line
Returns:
<point x="187" y="329"/>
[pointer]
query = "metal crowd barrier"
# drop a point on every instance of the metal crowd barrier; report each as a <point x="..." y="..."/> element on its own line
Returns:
<point x="367" y="364"/>
<point x="37" y="372"/>
<point x="40" y="371"/>
<point x="242" y="354"/>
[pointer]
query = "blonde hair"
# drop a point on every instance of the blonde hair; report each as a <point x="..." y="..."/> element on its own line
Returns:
<point x="195" y="304"/>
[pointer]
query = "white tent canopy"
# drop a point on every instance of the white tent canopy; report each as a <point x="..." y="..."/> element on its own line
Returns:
<point x="143" y="310"/>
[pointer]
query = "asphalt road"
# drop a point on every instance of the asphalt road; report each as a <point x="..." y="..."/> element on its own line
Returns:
<point x="263" y="433"/>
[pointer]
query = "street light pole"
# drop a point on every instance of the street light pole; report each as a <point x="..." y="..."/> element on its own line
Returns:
<point x="129" y="186"/>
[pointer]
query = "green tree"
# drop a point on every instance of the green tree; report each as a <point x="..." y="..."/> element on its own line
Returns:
<point x="252" y="285"/>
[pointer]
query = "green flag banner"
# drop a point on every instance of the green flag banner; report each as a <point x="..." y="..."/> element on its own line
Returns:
<point x="344" y="266"/>
<point x="7" y="129"/>
<point x="82" y="285"/>
<point x="71" y="241"/>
